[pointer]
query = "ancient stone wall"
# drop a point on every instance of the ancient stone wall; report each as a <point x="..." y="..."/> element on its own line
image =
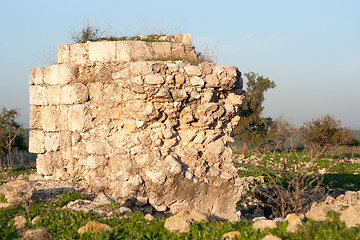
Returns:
<point x="139" y="128"/>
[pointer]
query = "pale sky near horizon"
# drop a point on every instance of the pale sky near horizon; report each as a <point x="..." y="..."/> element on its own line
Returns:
<point x="309" y="48"/>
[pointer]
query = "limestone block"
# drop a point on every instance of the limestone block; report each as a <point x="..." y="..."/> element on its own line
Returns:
<point x="154" y="79"/>
<point x="98" y="147"/>
<point x="196" y="81"/>
<point x="93" y="226"/>
<point x="52" y="141"/>
<point x="212" y="80"/>
<point x="172" y="165"/>
<point x="264" y="224"/>
<point x="184" y="38"/>
<point x="192" y="70"/>
<point x="140" y="68"/>
<point x="351" y="216"/>
<point x="178" y="50"/>
<point x="53" y="95"/>
<point x="63" y="53"/>
<point x="38" y="95"/>
<point x="35" y="117"/>
<point x="206" y="68"/>
<point x="39" y="234"/>
<point x="123" y="51"/>
<point x="179" y="95"/>
<point x="60" y="73"/>
<point x="50" y="118"/>
<point x="102" y="51"/>
<point x="79" y="53"/>
<point x="63" y="111"/>
<point x="235" y="99"/>
<point x="141" y="51"/>
<point x="162" y="49"/>
<point x="190" y="52"/>
<point x="157" y="177"/>
<point x="93" y="162"/>
<point x="139" y="80"/>
<point x="77" y="117"/>
<point x="142" y="159"/>
<point x="219" y="69"/>
<point x="67" y="72"/>
<point x="47" y="164"/>
<point x="75" y="93"/>
<point x="123" y="74"/>
<point x="51" y="74"/>
<point x="179" y="79"/>
<point x="216" y="147"/>
<point x="36" y="141"/>
<point x="36" y="76"/>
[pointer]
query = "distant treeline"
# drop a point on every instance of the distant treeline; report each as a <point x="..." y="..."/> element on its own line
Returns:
<point x="20" y="158"/>
<point x="356" y="134"/>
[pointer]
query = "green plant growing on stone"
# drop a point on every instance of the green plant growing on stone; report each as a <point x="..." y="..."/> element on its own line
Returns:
<point x="87" y="33"/>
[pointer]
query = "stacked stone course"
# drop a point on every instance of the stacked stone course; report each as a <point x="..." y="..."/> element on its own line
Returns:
<point x="154" y="132"/>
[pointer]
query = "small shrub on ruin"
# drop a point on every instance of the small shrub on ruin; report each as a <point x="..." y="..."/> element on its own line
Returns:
<point x="87" y="33"/>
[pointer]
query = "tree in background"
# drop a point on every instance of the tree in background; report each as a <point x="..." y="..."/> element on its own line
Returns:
<point x="321" y="134"/>
<point x="10" y="136"/>
<point x="252" y="128"/>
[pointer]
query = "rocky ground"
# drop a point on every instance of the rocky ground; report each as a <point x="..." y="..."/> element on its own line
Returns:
<point x="31" y="188"/>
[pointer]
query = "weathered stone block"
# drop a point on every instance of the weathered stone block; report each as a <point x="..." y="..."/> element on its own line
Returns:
<point x="192" y="70"/>
<point x="98" y="148"/>
<point x="51" y="75"/>
<point x="67" y="73"/>
<point x="102" y="51"/>
<point x="140" y="68"/>
<point x="75" y="93"/>
<point x="52" y="142"/>
<point x="36" y="76"/>
<point x="212" y="80"/>
<point x="93" y="162"/>
<point x="36" y="141"/>
<point x="38" y="95"/>
<point x="178" y="50"/>
<point x="63" y="111"/>
<point x="50" y="118"/>
<point x="184" y="38"/>
<point x="49" y="163"/>
<point x="235" y="99"/>
<point x="77" y="117"/>
<point x="196" y="81"/>
<point x="79" y="53"/>
<point x="154" y="79"/>
<point x="53" y="95"/>
<point x="162" y="49"/>
<point x="141" y="50"/>
<point x="64" y="53"/>
<point x="123" y="51"/>
<point x="35" y="117"/>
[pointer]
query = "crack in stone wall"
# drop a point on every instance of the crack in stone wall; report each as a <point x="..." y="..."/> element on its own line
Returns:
<point x="137" y="128"/>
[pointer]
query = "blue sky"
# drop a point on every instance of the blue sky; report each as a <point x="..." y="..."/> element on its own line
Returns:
<point x="311" y="49"/>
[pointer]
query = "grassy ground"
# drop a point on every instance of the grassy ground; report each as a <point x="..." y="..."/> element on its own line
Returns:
<point x="63" y="224"/>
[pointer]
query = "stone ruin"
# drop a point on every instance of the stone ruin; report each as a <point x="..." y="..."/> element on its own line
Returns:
<point x="144" y="122"/>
